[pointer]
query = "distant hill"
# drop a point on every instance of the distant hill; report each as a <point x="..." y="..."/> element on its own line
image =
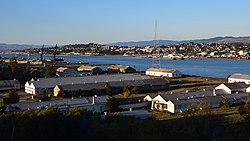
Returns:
<point x="227" y="39"/>
<point x="7" y="47"/>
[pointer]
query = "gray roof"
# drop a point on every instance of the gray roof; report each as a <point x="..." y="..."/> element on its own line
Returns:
<point x="186" y="95"/>
<point x="100" y="85"/>
<point x="200" y="97"/>
<point x="52" y="82"/>
<point x="236" y="85"/>
<point x="85" y="101"/>
<point x="4" y="83"/>
<point x="240" y="76"/>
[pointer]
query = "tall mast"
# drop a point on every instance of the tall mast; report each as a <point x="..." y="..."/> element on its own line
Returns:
<point x="55" y="52"/>
<point x="156" y="53"/>
<point x="41" y="53"/>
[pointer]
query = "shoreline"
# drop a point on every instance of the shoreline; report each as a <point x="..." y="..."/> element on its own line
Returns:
<point x="212" y="58"/>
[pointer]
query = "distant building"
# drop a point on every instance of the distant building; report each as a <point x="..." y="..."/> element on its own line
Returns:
<point x="46" y="85"/>
<point x="163" y="72"/>
<point x="229" y="88"/>
<point x="121" y="69"/>
<point x="239" y="78"/>
<point x="9" y="85"/>
<point x="89" y="69"/>
<point x="67" y="72"/>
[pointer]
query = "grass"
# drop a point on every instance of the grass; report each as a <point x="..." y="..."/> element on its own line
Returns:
<point x="230" y="115"/>
<point x="194" y="83"/>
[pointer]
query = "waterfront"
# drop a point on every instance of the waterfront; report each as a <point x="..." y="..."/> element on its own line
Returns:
<point x="201" y="67"/>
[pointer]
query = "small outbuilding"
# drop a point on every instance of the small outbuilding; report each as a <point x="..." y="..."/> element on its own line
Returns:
<point x="121" y="69"/>
<point x="89" y="69"/>
<point x="229" y="88"/>
<point x="163" y="72"/>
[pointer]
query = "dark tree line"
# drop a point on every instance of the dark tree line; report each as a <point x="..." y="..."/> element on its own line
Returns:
<point x="52" y="124"/>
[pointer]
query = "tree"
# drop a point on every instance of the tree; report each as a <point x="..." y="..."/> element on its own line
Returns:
<point x="2" y="108"/>
<point x="244" y="110"/>
<point x="107" y="89"/>
<point x="225" y="104"/>
<point x="126" y="91"/>
<point x="12" y="97"/>
<point x="135" y="90"/>
<point x="112" y="105"/>
<point x="26" y="76"/>
<point x="50" y="70"/>
<point x="13" y="65"/>
<point x="94" y="91"/>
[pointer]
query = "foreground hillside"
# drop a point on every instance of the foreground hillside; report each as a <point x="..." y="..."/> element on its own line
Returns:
<point x="80" y="125"/>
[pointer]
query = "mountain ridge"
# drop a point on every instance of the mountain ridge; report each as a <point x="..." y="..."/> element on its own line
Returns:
<point x="226" y="39"/>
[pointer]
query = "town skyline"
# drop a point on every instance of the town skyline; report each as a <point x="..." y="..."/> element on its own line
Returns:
<point x="62" y="22"/>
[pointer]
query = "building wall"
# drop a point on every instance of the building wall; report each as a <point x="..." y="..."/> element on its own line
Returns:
<point x="223" y="87"/>
<point x="164" y="74"/>
<point x="171" y="107"/>
<point x="232" y="80"/>
<point x="29" y="88"/>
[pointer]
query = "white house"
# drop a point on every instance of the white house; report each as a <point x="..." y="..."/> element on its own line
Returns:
<point x="163" y="72"/>
<point x="229" y="88"/>
<point x="180" y="102"/>
<point x="239" y="78"/>
<point x="149" y="97"/>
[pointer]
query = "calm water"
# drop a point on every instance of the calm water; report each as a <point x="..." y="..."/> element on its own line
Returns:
<point x="200" y="67"/>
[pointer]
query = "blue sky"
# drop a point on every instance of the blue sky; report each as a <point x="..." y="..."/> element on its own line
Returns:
<point x="105" y="21"/>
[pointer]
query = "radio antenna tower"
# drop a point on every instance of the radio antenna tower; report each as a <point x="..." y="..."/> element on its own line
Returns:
<point x="156" y="53"/>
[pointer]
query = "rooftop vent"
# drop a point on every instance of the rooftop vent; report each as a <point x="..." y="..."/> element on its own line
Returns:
<point x="186" y="91"/>
<point x="177" y="98"/>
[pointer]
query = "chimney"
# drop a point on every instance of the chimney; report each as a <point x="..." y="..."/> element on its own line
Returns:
<point x="93" y="100"/>
<point x="214" y="92"/>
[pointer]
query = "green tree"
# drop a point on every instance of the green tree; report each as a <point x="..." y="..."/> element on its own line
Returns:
<point x="50" y="70"/>
<point x="112" y="105"/>
<point x="12" y="97"/>
<point x="2" y="108"/>
<point x="225" y="104"/>
<point x="244" y="110"/>
<point x="126" y="91"/>
<point x="107" y="89"/>
<point x="135" y="90"/>
<point x="13" y="65"/>
<point x="26" y="76"/>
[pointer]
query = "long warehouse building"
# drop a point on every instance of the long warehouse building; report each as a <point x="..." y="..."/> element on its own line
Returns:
<point x="47" y="85"/>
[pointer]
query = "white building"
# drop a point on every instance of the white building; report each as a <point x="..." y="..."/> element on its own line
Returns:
<point x="239" y="78"/>
<point x="180" y="102"/>
<point x="163" y="72"/>
<point x="46" y="85"/>
<point x="229" y="88"/>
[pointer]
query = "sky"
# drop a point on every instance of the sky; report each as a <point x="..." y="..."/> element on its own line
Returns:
<point x="107" y="21"/>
